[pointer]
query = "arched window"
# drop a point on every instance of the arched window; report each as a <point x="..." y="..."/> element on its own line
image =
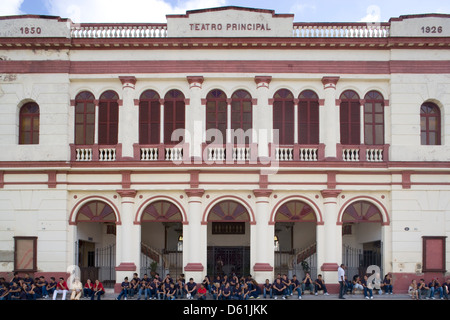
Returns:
<point x="174" y="115"/>
<point x="29" y="124"/>
<point x="350" y="111"/>
<point x="308" y="118"/>
<point x="108" y="122"/>
<point x="295" y="211"/>
<point x="283" y="116"/>
<point x="362" y="211"/>
<point x="216" y="113"/>
<point x="84" y="118"/>
<point x="228" y="210"/>
<point x="149" y="118"/>
<point x="162" y="211"/>
<point x="373" y="118"/>
<point x="430" y="124"/>
<point x="96" y="211"/>
<point x="241" y="112"/>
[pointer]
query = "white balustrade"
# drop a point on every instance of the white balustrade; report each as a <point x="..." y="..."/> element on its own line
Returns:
<point x="216" y="153"/>
<point x="174" y="154"/>
<point x="351" y="154"/>
<point x="119" y="31"/>
<point x="241" y="153"/>
<point x="149" y="154"/>
<point x="308" y="154"/>
<point x="107" y="154"/>
<point x="83" y="154"/>
<point x="341" y="30"/>
<point x="284" y="154"/>
<point x="374" y="155"/>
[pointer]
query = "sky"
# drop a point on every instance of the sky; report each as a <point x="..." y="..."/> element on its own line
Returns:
<point x="80" y="11"/>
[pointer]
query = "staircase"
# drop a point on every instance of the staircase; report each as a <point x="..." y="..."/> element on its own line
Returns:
<point x="168" y="262"/>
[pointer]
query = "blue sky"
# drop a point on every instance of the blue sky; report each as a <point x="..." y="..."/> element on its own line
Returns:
<point x="155" y="10"/>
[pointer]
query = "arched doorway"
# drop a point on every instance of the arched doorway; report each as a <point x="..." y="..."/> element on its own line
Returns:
<point x="161" y="239"/>
<point x="228" y="239"/>
<point x="95" y="248"/>
<point x="361" y="237"/>
<point x="295" y="239"/>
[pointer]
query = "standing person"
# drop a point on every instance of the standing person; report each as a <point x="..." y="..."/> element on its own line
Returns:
<point x="341" y="279"/>
<point x="98" y="290"/>
<point x="62" y="288"/>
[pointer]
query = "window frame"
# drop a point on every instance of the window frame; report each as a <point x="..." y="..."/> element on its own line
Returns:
<point x="425" y="267"/>
<point x="79" y="99"/>
<point x="350" y="123"/>
<point x="214" y="102"/>
<point x="172" y="106"/>
<point x="106" y="109"/>
<point x="370" y="99"/>
<point x="34" y="128"/>
<point x="237" y="102"/>
<point x="153" y="119"/>
<point x="309" y="124"/>
<point x="427" y="116"/>
<point x="280" y="103"/>
<point x="33" y="268"/>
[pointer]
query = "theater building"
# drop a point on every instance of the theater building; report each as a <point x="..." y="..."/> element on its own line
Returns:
<point x="226" y="140"/>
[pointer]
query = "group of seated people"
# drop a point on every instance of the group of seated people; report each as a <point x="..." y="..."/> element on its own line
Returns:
<point x="27" y="288"/>
<point x="220" y="288"/>
<point x="422" y="290"/>
<point x="367" y="285"/>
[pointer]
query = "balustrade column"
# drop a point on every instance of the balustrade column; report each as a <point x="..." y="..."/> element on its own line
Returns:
<point x="330" y="124"/>
<point x="128" y="118"/>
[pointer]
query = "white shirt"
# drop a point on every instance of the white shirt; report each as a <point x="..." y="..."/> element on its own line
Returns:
<point x="341" y="274"/>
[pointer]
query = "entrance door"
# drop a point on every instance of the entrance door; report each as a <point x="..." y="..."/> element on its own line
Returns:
<point x="86" y="261"/>
<point x="228" y="260"/>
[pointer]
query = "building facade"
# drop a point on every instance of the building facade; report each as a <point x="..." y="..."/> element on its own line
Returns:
<point x="227" y="140"/>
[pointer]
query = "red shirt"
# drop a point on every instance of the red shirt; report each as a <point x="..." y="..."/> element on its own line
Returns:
<point x="62" y="286"/>
<point x="202" y="291"/>
<point x="89" y="285"/>
<point x="99" y="287"/>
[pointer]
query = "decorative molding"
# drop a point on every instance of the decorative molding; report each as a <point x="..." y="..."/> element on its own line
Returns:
<point x="194" y="192"/>
<point x="262" y="267"/>
<point x="127" y="193"/>
<point x="196" y="267"/>
<point x="329" y="267"/>
<point x="330" y="82"/>
<point x="262" y="193"/>
<point x="128" y="81"/>
<point x="263" y="81"/>
<point x="195" y="81"/>
<point x="126" y="266"/>
<point x="330" y="193"/>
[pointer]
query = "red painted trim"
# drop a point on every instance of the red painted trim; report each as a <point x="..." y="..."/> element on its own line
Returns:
<point x="127" y="193"/>
<point x="330" y="193"/>
<point x="195" y="267"/>
<point x="195" y="192"/>
<point x="228" y="197"/>
<point x="74" y="212"/>
<point x="126" y="266"/>
<point x="52" y="179"/>
<point x="262" y="193"/>
<point x="262" y="267"/>
<point x="406" y="179"/>
<point x="234" y="66"/>
<point x="138" y="216"/>
<point x="317" y="212"/>
<point x="329" y="266"/>
<point x="374" y="201"/>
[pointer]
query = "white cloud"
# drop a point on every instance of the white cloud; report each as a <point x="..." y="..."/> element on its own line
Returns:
<point x="10" y="7"/>
<point x="123" y="11"/>
<point x="373" y="14"/>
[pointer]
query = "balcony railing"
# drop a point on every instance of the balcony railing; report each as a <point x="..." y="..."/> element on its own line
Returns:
<point x="230" y="153"/>
<point x="300" y="30"/>
<point x="94" y="152"/>
<point x="369" y="153"/>
<point x="160" y="152"/>
<point x="298" y="152"/>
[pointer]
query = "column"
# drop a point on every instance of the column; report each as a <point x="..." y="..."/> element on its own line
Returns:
<point x="195" y="117"/>
<point x="330" y="237"/>
<point x="128" y="118"/>
<point x="262" y="241"/>
<point x="194" y="235"/>
<point x="329" y="124"/>
<point x="262" y="117"/>
<point x="128" y="239"/>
